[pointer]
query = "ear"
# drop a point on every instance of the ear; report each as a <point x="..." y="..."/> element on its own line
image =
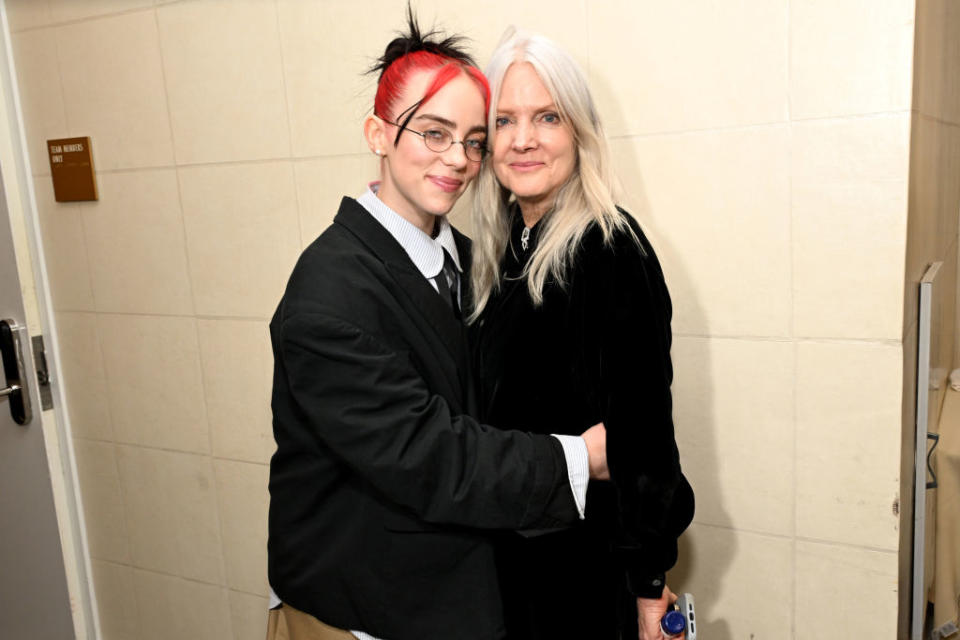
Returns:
<point x="376" y="134"/>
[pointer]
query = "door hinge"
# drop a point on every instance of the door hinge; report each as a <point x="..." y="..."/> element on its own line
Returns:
<point x="43" y="373"/>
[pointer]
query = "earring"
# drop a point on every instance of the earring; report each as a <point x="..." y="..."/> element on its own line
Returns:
<point x="378" y="152"/>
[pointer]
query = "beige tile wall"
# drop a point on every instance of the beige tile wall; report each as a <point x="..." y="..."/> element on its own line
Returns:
<point x="765" y="145"/>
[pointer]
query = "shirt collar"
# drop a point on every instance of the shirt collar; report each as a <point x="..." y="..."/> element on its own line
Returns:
<point x="425" y="252"/>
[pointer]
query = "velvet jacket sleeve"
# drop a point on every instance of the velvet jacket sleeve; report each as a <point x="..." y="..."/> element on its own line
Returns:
<point x="366" y="402"/>
<point x="627" y="316"/>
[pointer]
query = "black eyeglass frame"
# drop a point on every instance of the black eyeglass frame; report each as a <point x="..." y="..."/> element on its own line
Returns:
<point x="466" y="150"/>
<point x="409" y="112"/>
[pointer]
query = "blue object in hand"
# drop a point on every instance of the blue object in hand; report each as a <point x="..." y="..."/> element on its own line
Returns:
<point x="673" y="623"/>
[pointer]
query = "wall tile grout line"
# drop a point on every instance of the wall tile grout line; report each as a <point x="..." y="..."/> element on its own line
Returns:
<point x="888" y="342"/>
<point x="852" y="117"/>
<point x="150" y="447"/>
<point x="219" y="163"/>
<point x="786" y="537"/>
<point x="794" y="587"/>
<point x="586" y="30"/>
<point x="696" y="131"/>
<point x="216" y="495"/>
<point x="93" y="18"/>
<point x="846" y="545"/>
<point x="287" y="111"/>
<point x="173" y="144"/>
<point x="760" y="125"/>
<point x="169" y="450"/>
<point x="283" y="78"/>
<point x="167" y="315"/>
<point x="124" y="501"/>
<point x="179" y="577"/>
<point x="196" y="325"/>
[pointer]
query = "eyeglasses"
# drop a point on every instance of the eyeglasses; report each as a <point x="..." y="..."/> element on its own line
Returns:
<point x="439" y="140"/>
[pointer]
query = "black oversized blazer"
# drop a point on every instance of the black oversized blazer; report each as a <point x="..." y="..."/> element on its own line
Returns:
<point x="382" y="486"/>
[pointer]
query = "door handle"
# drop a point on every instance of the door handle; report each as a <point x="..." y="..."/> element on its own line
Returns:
<point x="12" y="337"/>
<point x="6" y="391"/>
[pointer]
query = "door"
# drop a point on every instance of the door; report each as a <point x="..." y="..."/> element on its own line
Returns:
<point x="34" y="601"/>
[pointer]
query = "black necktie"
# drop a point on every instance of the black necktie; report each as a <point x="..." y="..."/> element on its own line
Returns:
<point x="448" y="284"/>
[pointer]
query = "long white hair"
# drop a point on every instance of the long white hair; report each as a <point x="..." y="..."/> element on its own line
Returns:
<point x="588" y="195"/>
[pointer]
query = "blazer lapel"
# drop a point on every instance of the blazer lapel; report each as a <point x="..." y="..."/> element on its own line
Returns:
<point x="422" y="300"/>
<point x="425" y="300"/>
<point x="465" y="368"/>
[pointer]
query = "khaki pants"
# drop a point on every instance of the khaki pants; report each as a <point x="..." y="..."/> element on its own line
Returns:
<point x="287" y="623"/>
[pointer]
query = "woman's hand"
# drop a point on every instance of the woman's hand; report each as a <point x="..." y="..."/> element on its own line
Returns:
<point x="596" y="439"/>
<point x="649" y="613"/>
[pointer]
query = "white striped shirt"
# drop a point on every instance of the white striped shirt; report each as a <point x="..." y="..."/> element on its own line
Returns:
<point x="425" y="252"/>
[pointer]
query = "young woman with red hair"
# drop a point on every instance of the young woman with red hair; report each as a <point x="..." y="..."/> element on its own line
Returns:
<point x="431" y="90"/>
<point x="382" y="487"/>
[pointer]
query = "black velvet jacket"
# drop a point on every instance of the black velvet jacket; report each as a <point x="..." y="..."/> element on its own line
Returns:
<point x="596" y="350"/>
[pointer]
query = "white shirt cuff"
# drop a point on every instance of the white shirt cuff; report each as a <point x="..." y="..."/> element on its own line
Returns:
<point x="578" y="468"/>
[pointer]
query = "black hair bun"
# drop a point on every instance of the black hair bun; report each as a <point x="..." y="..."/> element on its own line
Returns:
<point x="417" y="40"/>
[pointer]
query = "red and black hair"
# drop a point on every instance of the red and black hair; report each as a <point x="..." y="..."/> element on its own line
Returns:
<point x="417" y="51"/>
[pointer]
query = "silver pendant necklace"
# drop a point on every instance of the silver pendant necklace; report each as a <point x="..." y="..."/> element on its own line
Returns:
<point x="525" y="238"/>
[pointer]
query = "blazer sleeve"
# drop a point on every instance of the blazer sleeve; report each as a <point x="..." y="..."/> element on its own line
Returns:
<point x="630" y="307"/>
<point x="368" y="405"/>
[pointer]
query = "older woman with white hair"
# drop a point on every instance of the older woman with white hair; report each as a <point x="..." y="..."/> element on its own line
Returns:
<point x="572" y="318"/>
